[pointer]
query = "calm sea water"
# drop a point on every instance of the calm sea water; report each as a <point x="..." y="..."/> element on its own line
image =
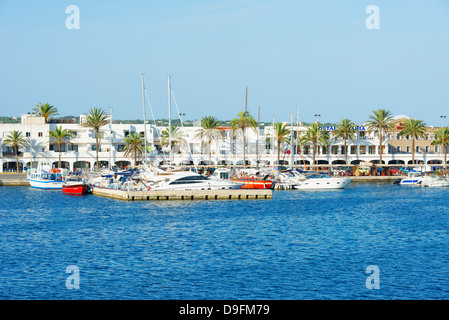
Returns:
<point x="299" y="245"/>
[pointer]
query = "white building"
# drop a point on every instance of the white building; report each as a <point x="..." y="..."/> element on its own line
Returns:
<point x="80" y="153"/>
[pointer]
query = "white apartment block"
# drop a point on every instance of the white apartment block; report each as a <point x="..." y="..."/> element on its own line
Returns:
<point x="80" y="153"/>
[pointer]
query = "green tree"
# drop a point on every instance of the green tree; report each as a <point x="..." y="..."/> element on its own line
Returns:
<point x="242" y="122"/>
<point x="46" y="110"/>
<point x="442" y="138"/>
<point x="381" y="122"/>
<point x="60" y="136"/>
<point x="15" y="140"/>
<point x="177" y="137"/>
<point x="316" y="136"/>
<point x="95" y="119"/>
<point x="346" y="131"/>
<point x="416" y="129"/>
<point x="134" y="146"/>
<point x="208" y="132"/>
<point x="281" y="135"/>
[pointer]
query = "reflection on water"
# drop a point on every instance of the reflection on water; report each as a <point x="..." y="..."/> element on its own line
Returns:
<point x="298" y="245"/>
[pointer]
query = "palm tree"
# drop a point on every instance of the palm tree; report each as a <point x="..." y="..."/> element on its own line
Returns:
<point x="60" y="136"/>
<point x="46" y="110"/>
<point x="442" y="138"/>
<point x="380" y="122"/>
<point x="134" y="146"/>
<point x="95" y="119"/>
<point x="208" y="132"/>
<point x="346" y="131"/>
<point x="315" y="135"/>
<point x="15" y="140"/>
<point x="416" y="129"/>
<point x="242" y="122"/>
<point x="177" y="137"/>
<point x="281" y="135"/>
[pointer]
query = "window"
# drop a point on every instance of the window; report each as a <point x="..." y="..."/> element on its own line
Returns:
<point x="437" y="149"/>
<point x="100" y="135"/>
<point x="353" y="150"/>
<point x="418" y="149"/>
<point x="126" y="133"/>
<point x="120" y="147"/>
<point x="306" y="150"/>
<point x="409" y="149"/>
<point x="28" y="134"/>
<point x="40" y="134"/>
<point x="94" y="148"/>
<point x="192" y="179"/>
<point x="371" y="150"/>
<point x="398" y="149"/>
<point x="427" y="149"/>
<point x="72" y="147"/>
<point x="74" y="134"/>
<point x="398" y="136"/>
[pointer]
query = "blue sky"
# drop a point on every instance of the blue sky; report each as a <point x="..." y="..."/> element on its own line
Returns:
<point x="317" y="55"/>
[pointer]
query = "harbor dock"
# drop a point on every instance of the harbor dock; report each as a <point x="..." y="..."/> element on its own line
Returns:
<point x="184" y="194"/>
<point x="13" y="179"/>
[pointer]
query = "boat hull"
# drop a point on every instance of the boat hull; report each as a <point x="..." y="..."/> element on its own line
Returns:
<point x="410" y="182"/>
<point x="254" y="184"/>
<point x="45" y="184"/>
<point x="323" y="183"/>
<point x="79" y="188"/>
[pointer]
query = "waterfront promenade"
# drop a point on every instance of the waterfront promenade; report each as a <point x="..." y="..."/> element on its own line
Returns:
<point x="19" y="179"/>
<point x="13" y="179"/>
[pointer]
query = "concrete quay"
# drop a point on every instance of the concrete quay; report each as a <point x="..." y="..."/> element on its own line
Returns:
<point x="184" y="194"/>
<point x="13" y="179"/>
<point x="386" y="179"/>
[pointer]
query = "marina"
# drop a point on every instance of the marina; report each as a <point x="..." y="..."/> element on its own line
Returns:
<point x="297" y="245"/>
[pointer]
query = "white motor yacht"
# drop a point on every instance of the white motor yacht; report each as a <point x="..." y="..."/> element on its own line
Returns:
<point x="433" y="180"/>
<point x="189" y="180"/>
<point x="313" y="180"/>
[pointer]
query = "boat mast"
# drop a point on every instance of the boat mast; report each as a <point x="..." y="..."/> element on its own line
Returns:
<point x="144" y="120"/>
<point x="169" y="118"/>
<point x="257" y="143"/>
<point x="110" y="141"/>
<point x="291" y="140"/>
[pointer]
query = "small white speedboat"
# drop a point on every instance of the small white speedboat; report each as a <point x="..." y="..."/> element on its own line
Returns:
<point x="413" y="178"/>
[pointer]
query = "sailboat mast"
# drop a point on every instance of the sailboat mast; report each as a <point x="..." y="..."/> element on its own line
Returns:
<point x="110" y="141"/>
<point x="291" y="140"/>
<point x="169" y="118"/>
<point x="257" y="143"/>
<point x="144" y="120"/>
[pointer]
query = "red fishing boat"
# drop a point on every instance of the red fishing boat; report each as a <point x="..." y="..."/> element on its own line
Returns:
<point x="77" y="187"/>
<point x="250" y="183"/>
<point x="253" y="179"/>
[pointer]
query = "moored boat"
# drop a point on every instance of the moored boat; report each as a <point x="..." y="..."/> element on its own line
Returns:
<point x="45" y="177"/>
<point x="253" y="179"/>
<point x="75" y="186"/>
